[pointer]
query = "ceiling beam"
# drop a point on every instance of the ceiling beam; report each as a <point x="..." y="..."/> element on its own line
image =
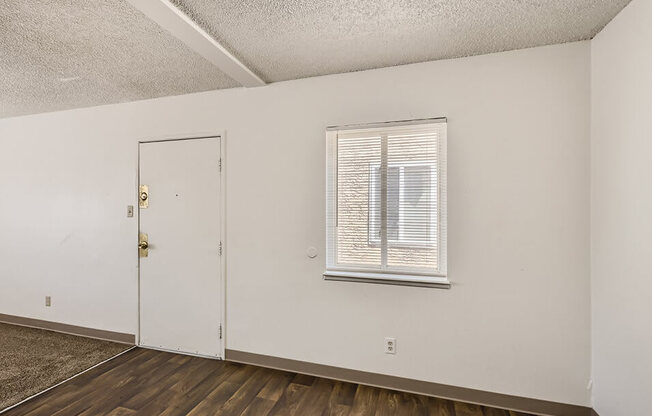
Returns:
<point x="170" y="18"/>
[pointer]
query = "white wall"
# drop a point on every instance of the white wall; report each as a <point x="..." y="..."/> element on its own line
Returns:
<point x="621" y="173"/>
<point x="517" y="319"/>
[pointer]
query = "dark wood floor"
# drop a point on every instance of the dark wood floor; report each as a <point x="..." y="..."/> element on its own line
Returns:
<point x="146" y="382"/>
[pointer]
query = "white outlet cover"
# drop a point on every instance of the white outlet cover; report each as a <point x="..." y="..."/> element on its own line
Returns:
<point x="390" y="345"/>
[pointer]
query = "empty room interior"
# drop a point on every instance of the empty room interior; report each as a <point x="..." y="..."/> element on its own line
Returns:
<point x="325" y="207"/>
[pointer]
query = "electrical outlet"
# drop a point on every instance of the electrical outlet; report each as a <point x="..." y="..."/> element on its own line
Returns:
<point x="48" y="301"/>
<point x="390" y="345"/>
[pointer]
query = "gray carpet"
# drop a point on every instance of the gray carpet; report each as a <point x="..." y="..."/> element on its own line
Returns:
<point x="31" y="360"/>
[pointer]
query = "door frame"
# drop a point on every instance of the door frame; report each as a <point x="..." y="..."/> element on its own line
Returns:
<point x="221" y="171"/>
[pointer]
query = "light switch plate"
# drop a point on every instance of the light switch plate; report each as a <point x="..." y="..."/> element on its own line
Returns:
<point x="48" y="301"/>
<point x="130" y="211"/>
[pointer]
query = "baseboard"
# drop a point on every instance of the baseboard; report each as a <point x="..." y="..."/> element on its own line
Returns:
<point x="502" y="401"/>
<point x="69" y="329"/>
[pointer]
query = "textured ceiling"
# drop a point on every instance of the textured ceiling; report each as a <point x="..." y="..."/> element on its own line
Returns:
<point x="287" y="39"/>
<point x="60" y="54"/>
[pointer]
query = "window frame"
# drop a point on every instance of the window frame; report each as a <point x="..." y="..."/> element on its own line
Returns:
<point x="376" y="274"/>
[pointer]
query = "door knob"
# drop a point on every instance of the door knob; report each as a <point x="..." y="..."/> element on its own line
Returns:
<point x="143" y="196"/>
<point x="143" y="245"/>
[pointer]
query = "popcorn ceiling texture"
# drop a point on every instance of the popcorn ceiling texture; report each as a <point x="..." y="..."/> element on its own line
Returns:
<point x="117" y="52"/>
<point x="61" y="54"/>
<point x="288" y="39"/>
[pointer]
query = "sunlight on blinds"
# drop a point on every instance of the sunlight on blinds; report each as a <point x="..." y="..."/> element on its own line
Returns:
<point x="385" y="197"/>
<point x="355" y="156"/>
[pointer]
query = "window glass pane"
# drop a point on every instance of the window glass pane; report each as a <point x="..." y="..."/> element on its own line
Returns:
<point x="393" y="202"/>
<point x="393" y="195"/>
<point x="416" y="205"/>
<point x="358" y="193"/>
<point x="415" y="158"/>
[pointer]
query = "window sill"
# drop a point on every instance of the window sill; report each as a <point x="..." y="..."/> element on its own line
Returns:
<point x="388" y="279"/>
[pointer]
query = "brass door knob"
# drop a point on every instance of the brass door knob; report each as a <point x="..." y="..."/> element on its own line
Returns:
<point x="143" y="245"/>
<point x="143" y="196"/>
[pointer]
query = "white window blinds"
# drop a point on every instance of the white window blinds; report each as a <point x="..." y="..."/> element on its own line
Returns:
<point x="387" y="199"/>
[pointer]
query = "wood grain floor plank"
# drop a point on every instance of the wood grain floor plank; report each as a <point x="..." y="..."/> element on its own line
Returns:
<point x="304" y="379"/>
<point x="114" y="369"/>
<point x="89" y="394"/>
<point x="184" y="402"/>
<point x="440" y="407"/>
<point x="410" y="404"/>
<point x="237" y="403"/>
<point x="338" y="410"/>
<point x="316" y="397"/>
<point x="43" y="409"/>
<point x="488" y="411"/>
<point x="391" y="403"/>
<point x="146" y="382"/>
<point x="121" y="411"/>
<point x="198" y="370"/>
<point x="289" y="400"/>
<point x="160" y="379"/>
<point x="467" y="409"/>
<point x="258" y="407"/>
<point x="215" y="399"/>
<point x="365" y="401"/>
<point x="339" y="402"/>
<point x="222" y="392"/>
<point x="161" y="403"/>
<point x="276" y="385"/>
<point x="343" y="393"/>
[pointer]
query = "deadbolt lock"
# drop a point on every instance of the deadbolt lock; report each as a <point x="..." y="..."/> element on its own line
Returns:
<point x="143" y="196"/>
<point x="143" y="245"/>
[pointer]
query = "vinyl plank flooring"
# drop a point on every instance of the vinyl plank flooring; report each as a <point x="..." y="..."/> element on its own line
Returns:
<point x="123" y="394"/>
<point x="439" y="407"/>
<point x="365" y="401"/>
<point x="121" y="411"/>
<point x="289" y="400"/>
<point x="258" y="407"/>
<point x="276" y="385"/>
<point x="249" y="389"/>
<point x="184" y="402"/>
<point x="315" y="400"/>
<point x="146" y="382"/>
<point x="62" y="395"/>
<point x="341" y="398"/>
<point x="466" y="409"/>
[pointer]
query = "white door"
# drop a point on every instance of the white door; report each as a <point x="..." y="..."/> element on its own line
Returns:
<point x="180" y="290"/>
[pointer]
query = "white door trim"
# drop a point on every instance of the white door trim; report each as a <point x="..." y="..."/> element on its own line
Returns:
<point x="222" y="172"/>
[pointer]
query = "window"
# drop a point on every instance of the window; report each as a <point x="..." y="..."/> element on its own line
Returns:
<point x="411" y="213"/>
<point x="387" y="203"/>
